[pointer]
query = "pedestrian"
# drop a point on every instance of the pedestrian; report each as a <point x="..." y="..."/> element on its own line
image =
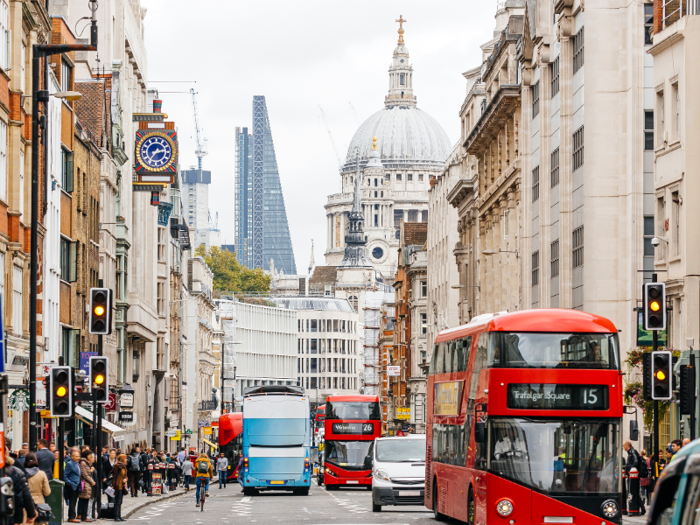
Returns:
<point x="45" y="458"/>
<point x="134" y="471"/>
<point x="21" y="453"/>
<point x="36" y="478"/>
<point x="108" y="465"/>
<point x="71" y="477"/>
<point x="86" y="484"/>
<point x="181" y="455"/>
<point x="119" y="476"/>
<point x="633" y="461"/>
<point x="203" y="472"/>
<point x="57" y="460"/>
<point x="52" y="446"/>
<point x="187" y="469"/>
<point x="8" y="445"/>
<point x="222" y="469"/>
<point x="239" y="468"/>
<point x="645" y="482"/>
<point x="25" y="509"/>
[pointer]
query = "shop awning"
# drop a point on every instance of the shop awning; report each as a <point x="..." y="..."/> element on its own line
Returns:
<point x="212" y="445"/>
<point x="86" y="416"/>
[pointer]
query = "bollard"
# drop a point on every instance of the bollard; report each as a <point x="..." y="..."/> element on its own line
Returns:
<point x="633" y="497"/>
<point x="55" y="501"/>
<point x="625" y="501"/>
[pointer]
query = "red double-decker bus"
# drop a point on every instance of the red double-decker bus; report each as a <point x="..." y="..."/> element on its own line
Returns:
<point x="524" y="420"/>
<point x="320" y="416"/>
<point x="352" y="424"/>
<point x="231" y="440"/>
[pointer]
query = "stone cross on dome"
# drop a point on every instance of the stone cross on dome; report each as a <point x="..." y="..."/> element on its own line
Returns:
<point x="401" y="22"/>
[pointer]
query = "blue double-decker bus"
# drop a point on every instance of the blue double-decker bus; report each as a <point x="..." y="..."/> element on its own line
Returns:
<point x="276" y="439"/>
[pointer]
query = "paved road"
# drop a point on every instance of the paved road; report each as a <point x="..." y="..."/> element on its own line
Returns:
<point x="230" y="507"/>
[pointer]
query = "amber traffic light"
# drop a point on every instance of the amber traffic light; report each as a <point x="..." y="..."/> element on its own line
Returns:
<point x="662" y="376"/>
<point x="61" y="391"/>
<point x="654" y="311"/>
<point x="100" y="319"/>
<point x="99" y="382"/>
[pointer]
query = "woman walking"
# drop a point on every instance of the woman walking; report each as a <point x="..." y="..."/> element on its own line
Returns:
<point x="86" y="484"/>
<point x="36" y="478"/>
<point x="644" y="486"/>
<point x="187" y="469"/>
<point x="119" y="484"/>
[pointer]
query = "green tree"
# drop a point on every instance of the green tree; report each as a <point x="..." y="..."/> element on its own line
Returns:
<point x="229" y="275"/>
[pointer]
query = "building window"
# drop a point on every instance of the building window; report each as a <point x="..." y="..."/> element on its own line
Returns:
<point x="136" y="366"/>
<point x="67" y="170"/>
<point x="21" y="187"/>
<point x="536" y="268"/>
<point x="555" y="167"/>
<point x="578" y="247"/>
<point x="554" y="267"/>
<point x="676" y="223"/>
<point x="648" y="23"/>
<point x="398" y="177"/>
<point x="5" y="58"/>
<point x="17" y="284"/>
<point x="578" y="50"/>
<point x="420" y="177"/>
<point x="423" y="324"/>
<point x="353" y="302"/>
<point x="23" y="68"/>
<point x="648" y="130"/>
<point x="69" y="260"/>
<point x="314" y="365"/>
<point x="662" y="116"/>
<point x="313" y="383"/>
<point x="424" y="288"/>
<point x="554" y="71"/>
<point x="648" y="236"/>
<point x="3" y="160"/>
<point x="676" y="112"/>
<point x="313" y="346"/>
<point x="314" y="325"/>
<point x="536" y="184"/>
<point x="409" y="177"/>
<point x="661" y="226"/>
<point x="160" y="290"/>
<point x="578" y="148"/>
<point x="66" y="72"/>
<point x="536" y="99"/>
<point x="161" y="245"/>
<point x="388" y="177"/>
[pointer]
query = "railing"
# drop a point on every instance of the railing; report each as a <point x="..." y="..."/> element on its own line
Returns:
<point x="205" y="406"/>
<point x="674" y="10"/>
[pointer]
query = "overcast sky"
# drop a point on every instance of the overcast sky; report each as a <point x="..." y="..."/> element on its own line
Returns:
<point x="302" y="55"/>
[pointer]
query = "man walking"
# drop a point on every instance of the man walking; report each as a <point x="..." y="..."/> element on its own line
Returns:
<point x="133" y="470"/>
<point x="71" y="476"/>
<point x="222" y="469"/>
<point x="633" y="461"/>
<point x="45" y="458"/>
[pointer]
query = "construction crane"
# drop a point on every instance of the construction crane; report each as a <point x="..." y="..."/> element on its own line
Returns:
<point x="201" y="150"/>
<point x="330" y="135"/>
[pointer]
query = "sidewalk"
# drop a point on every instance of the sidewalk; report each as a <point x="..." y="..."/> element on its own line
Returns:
<point x="634" y="520"/>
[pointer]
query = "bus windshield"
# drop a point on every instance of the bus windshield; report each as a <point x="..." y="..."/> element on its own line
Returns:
<point x="548" y="350"/>
<point x="556" y="456"/>
<point x="361" y="410"/>
<point x="350" y="455"/>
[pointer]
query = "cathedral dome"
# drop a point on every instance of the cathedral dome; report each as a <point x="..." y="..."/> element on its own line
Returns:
<point x="406" y="136"/>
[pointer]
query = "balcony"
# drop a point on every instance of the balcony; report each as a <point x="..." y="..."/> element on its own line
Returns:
<point x="674" y="10"/>
<point x="207" y="406"/>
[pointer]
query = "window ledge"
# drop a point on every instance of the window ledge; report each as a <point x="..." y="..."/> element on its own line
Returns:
<point x="673" y="259"/>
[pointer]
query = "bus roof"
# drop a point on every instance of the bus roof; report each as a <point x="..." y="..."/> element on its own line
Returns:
<point x="230" y="426"/>
<point x="273" y="389"/>
<point x="357" y="397"/>
<point x="555" y="320"/>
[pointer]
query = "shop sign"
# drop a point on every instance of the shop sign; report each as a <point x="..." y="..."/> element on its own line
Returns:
<point x="19" y="400"/>
<point x="85" y="360"/>
<point x="207" y="430"/>
<point x="393" y="371"/>
<point x="447" y="398"/>
<point x="176" y="436"/>
<point x="46" y="414"/>
<point x="126" y="401"/>
<point x="203" y="423"/>
<point x="111" y="405"/>
<point x="41" y="392"/>
<point x="127" y="417"/>
<point x="403" y="413"/>
<point x="188" y="432"/>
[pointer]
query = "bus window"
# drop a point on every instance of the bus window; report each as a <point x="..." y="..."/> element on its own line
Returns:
<point x="451" y="357"/>
<point x="438" y="362"/>
<point x="449" y="444"/>
<point x="463" y="346"/>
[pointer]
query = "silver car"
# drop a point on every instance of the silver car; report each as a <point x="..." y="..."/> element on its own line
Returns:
<point x="398" y="471"/>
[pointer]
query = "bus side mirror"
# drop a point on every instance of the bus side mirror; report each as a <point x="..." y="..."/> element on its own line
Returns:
<point x="480" y="432"/>
<point x="634" y="430"/>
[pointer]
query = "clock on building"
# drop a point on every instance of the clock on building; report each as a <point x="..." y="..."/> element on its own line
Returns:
<point x="155" y="151"/>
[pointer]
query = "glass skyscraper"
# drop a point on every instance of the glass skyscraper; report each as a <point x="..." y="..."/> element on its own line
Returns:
<point x="262" y="230"/>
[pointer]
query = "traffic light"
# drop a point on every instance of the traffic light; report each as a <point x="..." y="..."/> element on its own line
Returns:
<point x="662" y="369"/>
<point x="100" y="311"/>
<point x="99" y="380"/>
<point x="646" y="376"/>
<point x="654" y="306"/>
<point x="61" y="391"/>
<point x="687" y="389"/>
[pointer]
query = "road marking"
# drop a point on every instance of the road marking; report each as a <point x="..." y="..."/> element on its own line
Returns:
<point x="246" y="499"/>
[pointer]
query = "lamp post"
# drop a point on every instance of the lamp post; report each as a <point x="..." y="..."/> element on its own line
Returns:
<point x="40" y="51"/>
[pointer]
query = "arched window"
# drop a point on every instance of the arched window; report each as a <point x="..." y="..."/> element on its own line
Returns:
<point x="353" y="302"/>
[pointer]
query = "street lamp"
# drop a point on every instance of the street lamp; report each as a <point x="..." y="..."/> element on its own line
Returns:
<point x="40" y="51"/>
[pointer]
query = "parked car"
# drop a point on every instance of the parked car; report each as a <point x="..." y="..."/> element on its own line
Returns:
<point x="398" y="471"/>
<point x="677" y="491"/>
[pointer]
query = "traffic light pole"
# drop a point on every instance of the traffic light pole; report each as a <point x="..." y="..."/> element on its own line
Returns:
<point x="655" y="437"/>
<point x="97" y="418"/>
<point x="692" y="397"/>
<point x="60" y="442"/>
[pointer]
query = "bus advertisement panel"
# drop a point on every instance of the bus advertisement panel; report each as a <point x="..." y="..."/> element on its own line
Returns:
<point x="276" y="439"/>
<point x="231" y="440"/>
<point x="352" y="424"/>
<point x="524" y="416"/>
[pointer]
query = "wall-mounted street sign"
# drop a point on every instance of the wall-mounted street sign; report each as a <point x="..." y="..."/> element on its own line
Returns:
<point x="393" y="371"/>
<point x="126" y="401"/>
<point x="126" y="416"/>
<point x="172" y="433"/>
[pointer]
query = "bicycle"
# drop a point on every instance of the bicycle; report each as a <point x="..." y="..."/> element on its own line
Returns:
<point x="202" y="497"/>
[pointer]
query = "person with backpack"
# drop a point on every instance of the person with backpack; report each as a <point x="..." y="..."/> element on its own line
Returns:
<point x="634" y="460"/>
<point x="644" y="481"/>
<point x="133" y="469"/>
<point x="203" y="472"/>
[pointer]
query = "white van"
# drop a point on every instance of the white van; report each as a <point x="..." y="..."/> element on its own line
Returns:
<point x="398" y="471"/>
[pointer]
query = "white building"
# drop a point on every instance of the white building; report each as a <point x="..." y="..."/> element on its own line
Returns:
<point x="412" y="148"/>
<point x="195" y="198"/>
<point x="329" y="357"/>
<point x="260" y="346"/>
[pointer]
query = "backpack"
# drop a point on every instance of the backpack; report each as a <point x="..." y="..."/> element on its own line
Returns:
<point x="643" y="467"/>
<point x="134" y="463"/>
<point x="203" y="467"/>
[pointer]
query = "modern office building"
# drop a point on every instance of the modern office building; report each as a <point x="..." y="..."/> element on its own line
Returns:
<point x="262" y="230"/>
<point x="195" y="197"/>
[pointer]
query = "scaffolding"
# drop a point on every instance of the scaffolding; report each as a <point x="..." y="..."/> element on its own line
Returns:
<point x="372" y="364"/>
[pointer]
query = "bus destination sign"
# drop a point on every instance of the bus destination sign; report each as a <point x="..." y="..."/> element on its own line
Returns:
<point x="353" y="428"/>
<point x="557" y="397"/>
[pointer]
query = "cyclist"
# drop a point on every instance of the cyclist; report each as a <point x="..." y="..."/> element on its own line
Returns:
<point x="203" y="472"/>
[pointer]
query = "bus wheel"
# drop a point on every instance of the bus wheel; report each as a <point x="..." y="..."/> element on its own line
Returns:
<point x="471" y="508"/>
<point x="248" y="491"/>
<point x="436" y="514"/>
